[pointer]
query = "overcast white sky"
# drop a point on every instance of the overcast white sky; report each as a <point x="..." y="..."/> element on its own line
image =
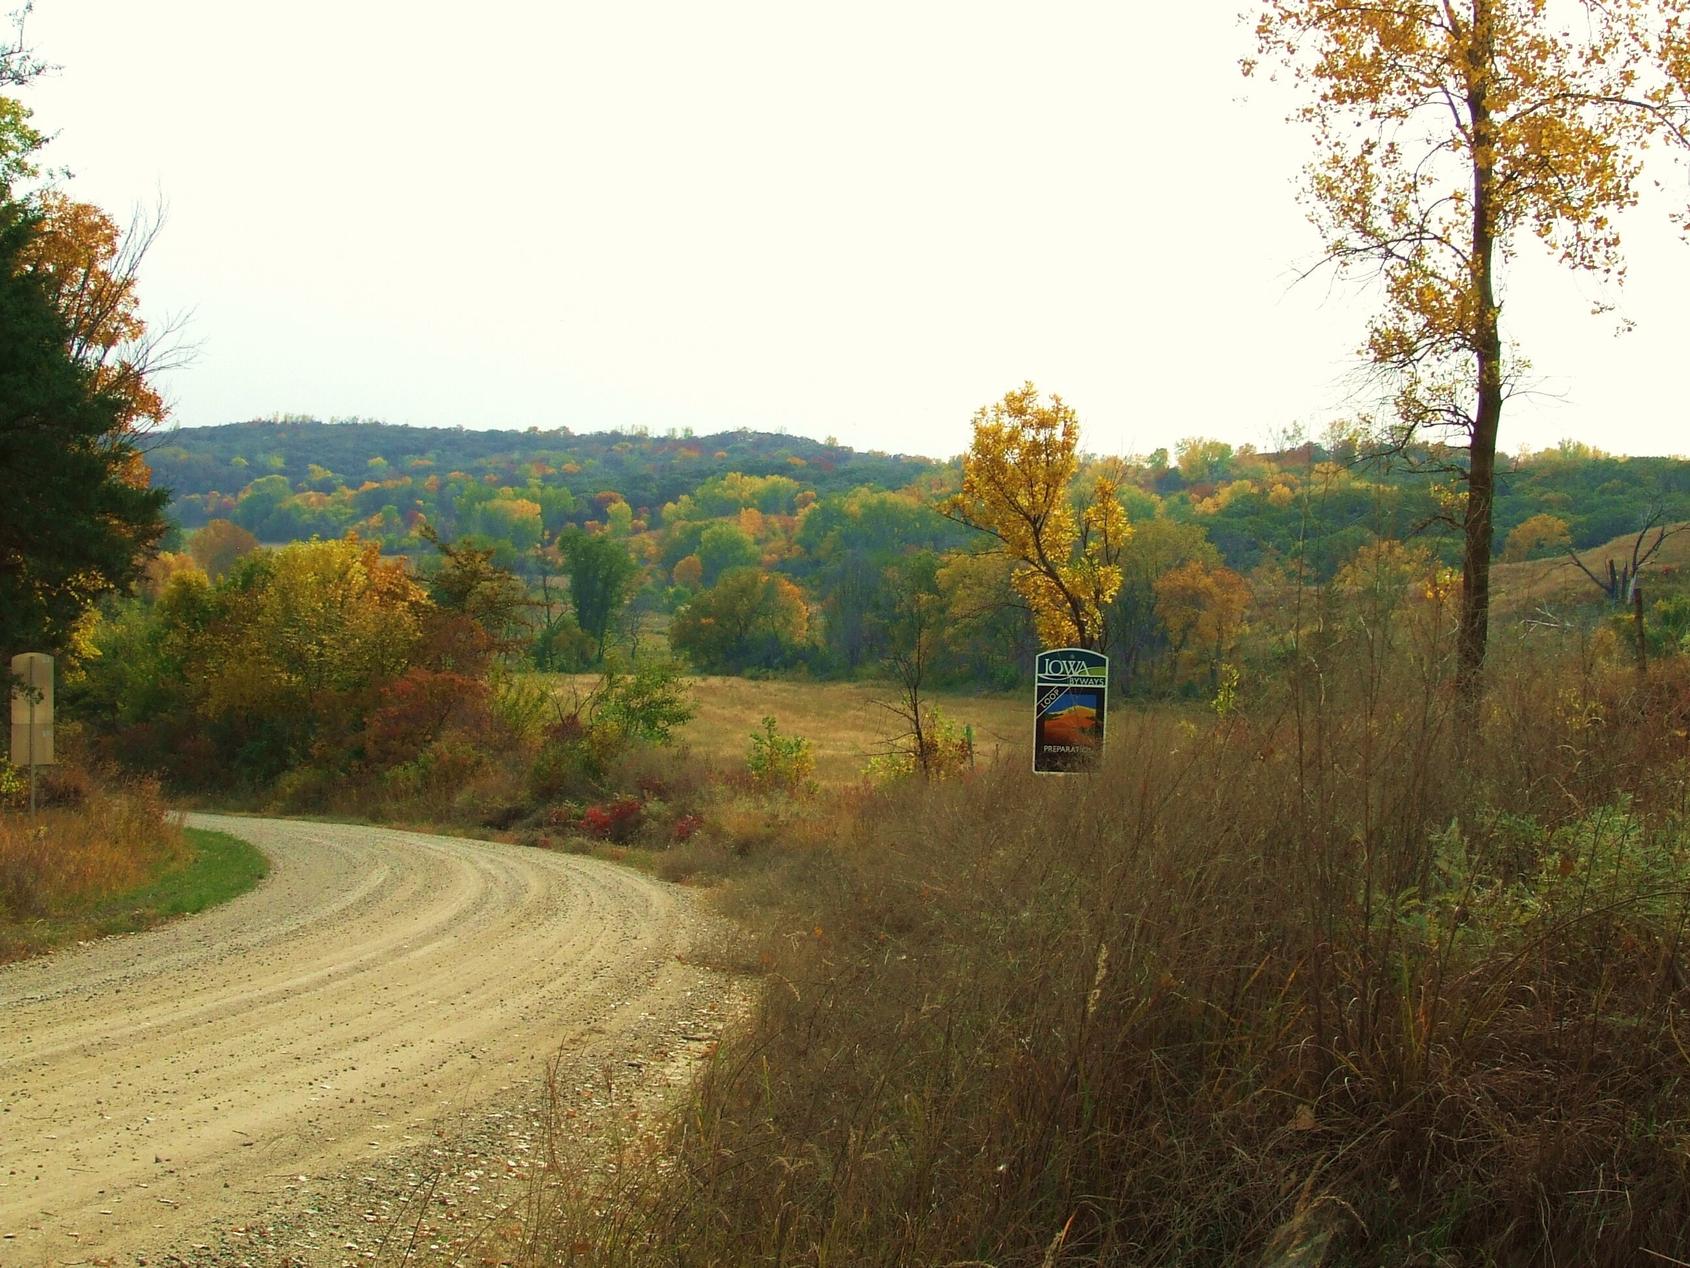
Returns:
<point x="863" y="220"/>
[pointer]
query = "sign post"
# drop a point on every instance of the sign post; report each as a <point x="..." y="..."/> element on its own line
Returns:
<point x="1070" y="706"/>
<point x="32" y="714"/>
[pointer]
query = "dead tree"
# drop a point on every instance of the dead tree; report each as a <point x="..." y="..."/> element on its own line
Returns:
<point x="915" y="630"/>
<point x="1621" y="585"/>
<point x="1621" y="580"/>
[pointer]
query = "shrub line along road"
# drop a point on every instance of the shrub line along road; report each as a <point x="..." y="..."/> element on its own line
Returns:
<point x="157" y="1089"/>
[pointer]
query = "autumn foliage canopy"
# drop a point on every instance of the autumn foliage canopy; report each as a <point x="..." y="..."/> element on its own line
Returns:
<point x="1016" y="487"/>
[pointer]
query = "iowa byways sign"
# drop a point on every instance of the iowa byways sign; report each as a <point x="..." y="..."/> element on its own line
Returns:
<point x="32" y="710"/>
<point x="1070" y="703"/>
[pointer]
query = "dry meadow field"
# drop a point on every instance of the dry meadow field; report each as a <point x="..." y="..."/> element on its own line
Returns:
<point x="843" y="721"/>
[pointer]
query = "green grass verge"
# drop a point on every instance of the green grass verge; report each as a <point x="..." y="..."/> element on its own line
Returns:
<point x="217" y="868"/>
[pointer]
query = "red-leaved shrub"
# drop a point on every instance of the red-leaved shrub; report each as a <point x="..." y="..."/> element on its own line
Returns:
<point x="417" y="708"/>
<point x="614" y="820"/>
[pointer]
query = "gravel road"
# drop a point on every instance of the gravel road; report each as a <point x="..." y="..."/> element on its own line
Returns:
<point x="277" y="1080"/>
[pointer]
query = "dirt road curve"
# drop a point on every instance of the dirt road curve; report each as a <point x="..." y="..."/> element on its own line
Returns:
<point x="159" y="1089"/>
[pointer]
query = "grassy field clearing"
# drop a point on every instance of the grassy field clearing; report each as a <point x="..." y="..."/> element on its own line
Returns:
<point x="842" y="720"/>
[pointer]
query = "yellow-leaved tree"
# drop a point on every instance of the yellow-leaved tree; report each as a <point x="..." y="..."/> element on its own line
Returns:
<point x="1202" y="607"/>
<point x="1446" y="132"/>
<point x="1538" y="535"/>
<point x="1015" y="486"/>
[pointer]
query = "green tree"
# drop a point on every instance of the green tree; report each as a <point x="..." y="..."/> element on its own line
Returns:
<point x="724" y="546"/>
<point x="646" y="705"/>
<point x="76" y="519"/>
<point x="852" y="546"/>
<point x="601" y="577"/>
<point x="260" y="503"/>
<point x="515" y="520"/>
<point x="748" y="619"/>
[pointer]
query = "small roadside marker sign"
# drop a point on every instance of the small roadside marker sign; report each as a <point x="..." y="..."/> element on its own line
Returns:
<point x="1070" y="707"/>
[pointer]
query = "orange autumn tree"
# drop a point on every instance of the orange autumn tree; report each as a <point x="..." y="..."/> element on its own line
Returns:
<point x="1202" y="606"/>
<point x="1015" y="487"/>
<point x="217" y="546"/>
<point x="1538" y="535"/>
<point x="89" y="267"/>
<point x="1446" y="132"/>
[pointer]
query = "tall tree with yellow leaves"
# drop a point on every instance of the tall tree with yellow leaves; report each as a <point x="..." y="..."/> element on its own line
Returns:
<point x="1015" y="486"/>
<point x="1446" y="132"/>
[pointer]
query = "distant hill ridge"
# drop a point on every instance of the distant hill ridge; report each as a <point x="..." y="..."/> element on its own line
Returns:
<point x="290" y="477"/>
<point x="646" y="469"/>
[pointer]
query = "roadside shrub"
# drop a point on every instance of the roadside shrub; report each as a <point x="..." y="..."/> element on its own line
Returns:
<point x="615" y="821"/>
<point x="564" y="764"/>
<point x="563" y="816"/>
<point x="595" y="735"/>
<point x="416" y="709"/>
<point x="306" y="789"/>
<point x="676" y="774"/>
<point x="434" y="778"/>
<point x="946" y="751"/>
<point x="779" y="763"/>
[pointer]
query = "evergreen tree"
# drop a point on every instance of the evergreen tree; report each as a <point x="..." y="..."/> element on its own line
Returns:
<point x="74" y="523"/>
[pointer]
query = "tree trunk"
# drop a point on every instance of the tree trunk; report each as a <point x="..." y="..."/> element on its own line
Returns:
<point x="1477" y="532"/>
<point x="1478" y="526"/>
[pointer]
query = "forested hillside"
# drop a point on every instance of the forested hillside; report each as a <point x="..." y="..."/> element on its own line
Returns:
<point x="765" y="552"/>
<point x="211" y="470"/>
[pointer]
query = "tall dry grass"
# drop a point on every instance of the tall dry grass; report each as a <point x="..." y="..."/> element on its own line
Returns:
<point x="90" y="840"/>
<point x="1341" y="966"/>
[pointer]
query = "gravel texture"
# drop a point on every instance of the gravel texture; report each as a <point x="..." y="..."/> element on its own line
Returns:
<point x="348" y="1064"/>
